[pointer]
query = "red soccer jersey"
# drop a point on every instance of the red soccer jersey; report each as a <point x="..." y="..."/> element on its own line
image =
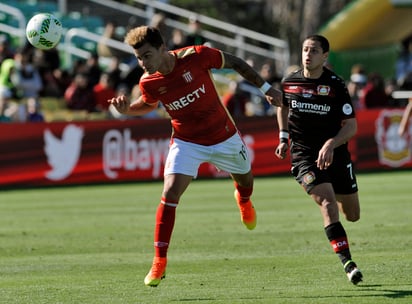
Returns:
<point x="189" y="95"/>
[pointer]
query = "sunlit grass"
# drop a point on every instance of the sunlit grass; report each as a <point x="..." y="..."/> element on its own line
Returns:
<point x="93" y="244"/>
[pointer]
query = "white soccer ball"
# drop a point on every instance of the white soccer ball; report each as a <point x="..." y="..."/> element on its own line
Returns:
<point x="44" y="31"/>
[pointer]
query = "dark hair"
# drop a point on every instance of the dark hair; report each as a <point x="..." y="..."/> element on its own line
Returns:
<point x="324" y="43"/>
<point x="141" y="35"/>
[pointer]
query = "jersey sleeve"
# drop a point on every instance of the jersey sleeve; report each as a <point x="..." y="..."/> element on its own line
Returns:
<point x="348" y="110"/>
<point x="285" y="101"/>
<point x="210" y="58"/>
<point x="147" y="98"/>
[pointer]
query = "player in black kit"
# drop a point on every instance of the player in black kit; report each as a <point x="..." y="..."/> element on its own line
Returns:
<point x="319" y="118"/>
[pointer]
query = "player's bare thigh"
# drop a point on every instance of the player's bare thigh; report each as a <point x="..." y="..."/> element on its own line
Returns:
<point x="349" y="206"/>
<point x="174" y="186"/>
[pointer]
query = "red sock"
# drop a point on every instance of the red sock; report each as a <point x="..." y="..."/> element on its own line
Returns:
<point x="244" y="192"/>
<point x="165" y="220"/>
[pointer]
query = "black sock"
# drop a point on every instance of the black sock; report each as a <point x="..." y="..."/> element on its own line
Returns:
<point x="339" y="241"/>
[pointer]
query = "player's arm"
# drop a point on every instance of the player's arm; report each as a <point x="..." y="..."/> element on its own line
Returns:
<point x="405" y="118"/>
<point x="273" y="95"/>
<point x="136" y="108"/>
<point x="348" y="130"/>
<point x="282" y="118"/>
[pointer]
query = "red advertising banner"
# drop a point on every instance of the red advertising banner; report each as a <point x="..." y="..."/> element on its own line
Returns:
<point x="377" y="144"/>
<point x="40" y="154"/>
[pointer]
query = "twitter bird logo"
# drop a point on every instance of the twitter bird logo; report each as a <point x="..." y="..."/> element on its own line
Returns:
<point x="63" y="154"/>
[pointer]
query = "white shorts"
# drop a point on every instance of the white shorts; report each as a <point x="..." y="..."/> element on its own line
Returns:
<point x="230" y="155"/>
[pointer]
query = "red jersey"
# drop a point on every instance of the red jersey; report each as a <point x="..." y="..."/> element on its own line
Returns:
<point x="189" y="96"/>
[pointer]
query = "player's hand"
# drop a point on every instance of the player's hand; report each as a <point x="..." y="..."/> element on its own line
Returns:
<point x="325" y="155"/>
<point x="274" y="97"/>
<point x="121" y="103"/>
<point x="281" y="150"/>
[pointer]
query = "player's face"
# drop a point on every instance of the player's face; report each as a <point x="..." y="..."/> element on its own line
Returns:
<point x="313" y="56"/>
<point x="149" y="57"/>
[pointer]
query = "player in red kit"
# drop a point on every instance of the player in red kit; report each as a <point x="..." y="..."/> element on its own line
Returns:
<point x="320" y="118"/>
<point x="203" y="130"/>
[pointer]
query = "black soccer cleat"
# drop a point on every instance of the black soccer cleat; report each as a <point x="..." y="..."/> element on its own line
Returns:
<point x="354" y="274"/>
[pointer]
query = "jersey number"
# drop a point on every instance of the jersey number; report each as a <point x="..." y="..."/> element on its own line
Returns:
<point x="349" y="166"/>
<point x="243" y="152"/>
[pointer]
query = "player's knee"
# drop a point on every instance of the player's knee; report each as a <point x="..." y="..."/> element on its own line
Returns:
<point x="352" y="217"/>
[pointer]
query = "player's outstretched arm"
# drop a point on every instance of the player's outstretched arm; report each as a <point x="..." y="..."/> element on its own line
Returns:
<point x="405" y="118"/>
<point x="135" y="108"/>
<point x="273" y="96"/>
<point x="282" y="118"/>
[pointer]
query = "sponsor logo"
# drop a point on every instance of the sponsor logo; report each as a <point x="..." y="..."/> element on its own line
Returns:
<point x="122" y="152"/>
<point x="307" y="93"/>
<point x="310" y="107"/>
<point x="339" y="245"/>
<point x="186" y="100"/>
<point x="62" y="154"/>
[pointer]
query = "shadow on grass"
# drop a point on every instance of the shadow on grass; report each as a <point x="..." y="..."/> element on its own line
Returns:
<point x="370" y="291"/>
<point x="374" y="292"/>
<point x="387" y="293"/>
<point x="194" y="299"/>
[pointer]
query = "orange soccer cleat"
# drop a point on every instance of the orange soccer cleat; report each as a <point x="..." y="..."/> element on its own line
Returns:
<point x="247" y="212"/>
<point x="157" y="272"/>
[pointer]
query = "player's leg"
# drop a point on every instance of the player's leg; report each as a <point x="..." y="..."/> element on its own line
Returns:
<point x="174" y="186"/>
<point x="349" y="206"/>
<point x="324" y="196"/>
<point x="345" y="186"/>
<point x="232" y="156"/>
<point x="243" y="186"/>
<point x="243" y="191"/>
<point x="346" y="189"/>
<point x="181" y="166"/>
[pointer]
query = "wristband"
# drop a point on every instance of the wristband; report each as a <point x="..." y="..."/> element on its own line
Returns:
<point x="265" y="87"/>
<point x="284" y="136"/>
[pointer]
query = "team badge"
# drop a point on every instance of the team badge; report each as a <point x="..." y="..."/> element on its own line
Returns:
<point x="187" y="76"/>
<point x="309" y="178"/>
<point x="323" y="90"/>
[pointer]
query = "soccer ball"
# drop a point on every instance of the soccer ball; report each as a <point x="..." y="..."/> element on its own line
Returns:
<point x="44" y="31"/>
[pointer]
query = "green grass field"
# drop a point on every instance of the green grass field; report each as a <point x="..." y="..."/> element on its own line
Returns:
<point x="93" y="244"/>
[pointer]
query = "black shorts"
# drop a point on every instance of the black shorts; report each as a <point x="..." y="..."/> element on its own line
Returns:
<point x="340" y="173"/>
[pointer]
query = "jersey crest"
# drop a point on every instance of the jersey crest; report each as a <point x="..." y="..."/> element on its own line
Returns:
<point x="323" y="90"/>
<point x="187" y="76"/>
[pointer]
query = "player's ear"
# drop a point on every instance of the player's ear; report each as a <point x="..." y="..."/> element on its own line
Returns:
<point x="163" y="48"/>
